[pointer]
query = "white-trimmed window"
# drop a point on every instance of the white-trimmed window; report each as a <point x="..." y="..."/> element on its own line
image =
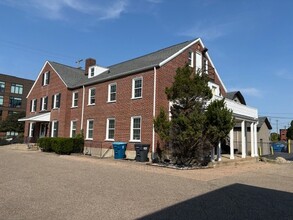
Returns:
<point x="56" y="100"/>
<point x="73" y="128"/>
<point x="135" y="132"/>
<point x="198" y="62"/>
<point x="206" y="66"/>
<point x="31" y="129"/>
<point x="74" y="99"/>
<point x="16" y="88"/>
<point x="44" y="103"/>
<point x="110" y="132"/>
<point x="112" y="89"/>
<point x="137" y="88"/>
<point x="46" y="78"/>
<point x="54" y="131"/>
<point x="89" y="129"/>
<point x="92" y="71"/>
<point x="33" y="105"/>
<point x="214" y="88"/>
<point x="191" y="59"/>
<point x="92" y="96"/>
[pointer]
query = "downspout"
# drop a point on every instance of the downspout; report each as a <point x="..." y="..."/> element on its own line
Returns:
<point x="154" y="112"/>
<point x="82" y="109"/>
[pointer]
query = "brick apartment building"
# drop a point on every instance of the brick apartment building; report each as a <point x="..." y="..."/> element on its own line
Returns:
<point x="13" y="92"/>
<point x="119" y="102"/>
<point x="283" y="135"/>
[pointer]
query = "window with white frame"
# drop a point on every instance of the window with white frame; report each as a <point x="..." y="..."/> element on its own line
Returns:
<point x="92" y="71"/>
<point x="33" y="105"/>
<point x="56" y="99"/>
<point x="73" y="128"/>
<point x="16" y="88"/>
<point x="46" y="78"/>
<point x="90" y="129"/>
<point x="135" y="128"/>
<point x="31" y="129"/>
<point x="206" y="66"/>
<point x="44" y="103"/>
<point x="54" y="132"/>
<point x="191" y="59"/>
<point x="2" y="86"/>
<point x="137" y="88"/>
<point x="110" y="133"/>
<point x="112" y="89"/>
<point x="198" y="62"/>
<point x="74" y="99"/>
<point x="92" y="96"/>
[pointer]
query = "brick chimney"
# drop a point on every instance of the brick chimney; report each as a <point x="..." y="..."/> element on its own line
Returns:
<point x="89" y="62"/>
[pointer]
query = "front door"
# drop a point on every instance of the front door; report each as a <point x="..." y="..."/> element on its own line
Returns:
<point x="43" y="129"/>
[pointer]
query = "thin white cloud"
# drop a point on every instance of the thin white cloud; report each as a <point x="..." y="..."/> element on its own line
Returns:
<point x="249" y="91"/>
<point x="284" y="74"/>
<point x="57" y="9"/>
<point x="208" y="32"/>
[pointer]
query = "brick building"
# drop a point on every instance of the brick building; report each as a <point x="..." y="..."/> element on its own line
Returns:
<point x="119" y="102"/>
<point x="13" y="92"/>
<point x="283" y="135"/>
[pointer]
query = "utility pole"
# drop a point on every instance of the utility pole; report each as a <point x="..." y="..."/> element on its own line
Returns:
<point x="277" y="126"/>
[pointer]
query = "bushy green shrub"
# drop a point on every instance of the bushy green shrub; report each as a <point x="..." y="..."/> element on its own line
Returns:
<point x="78" y="144"/>
<point x="45" y="144"/>
<point x="62" y="145"/>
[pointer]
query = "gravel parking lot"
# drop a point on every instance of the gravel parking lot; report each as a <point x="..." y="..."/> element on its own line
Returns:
<point x="36" y="185"/>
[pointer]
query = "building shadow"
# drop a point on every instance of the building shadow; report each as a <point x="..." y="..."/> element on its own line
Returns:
<point x="235" y="201"/>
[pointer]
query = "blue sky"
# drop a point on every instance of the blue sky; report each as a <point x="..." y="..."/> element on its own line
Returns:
<point x="249" y="41"/>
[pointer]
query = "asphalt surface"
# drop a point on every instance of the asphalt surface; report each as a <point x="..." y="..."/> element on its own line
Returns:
<point x="36" y="185"/>
<point x="286" y="156"/>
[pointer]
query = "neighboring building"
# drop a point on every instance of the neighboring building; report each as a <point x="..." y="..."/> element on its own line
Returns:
<point x="283" y="135"/>
<point x="119" y="102"/>
<point x="263" y="136"/>
<point x="13" y="92"/>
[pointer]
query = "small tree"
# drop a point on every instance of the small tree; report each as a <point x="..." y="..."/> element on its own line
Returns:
<point x="275" y="137"/>
<point x="193" y="129"/>
<point x="290" y="131"/>
<point x="11" y="123"/>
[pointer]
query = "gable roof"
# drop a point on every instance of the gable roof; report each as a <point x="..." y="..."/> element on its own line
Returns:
<point x="262" y="120"/>
<point x="236" y="94"/>
<point x="74" y="77"/>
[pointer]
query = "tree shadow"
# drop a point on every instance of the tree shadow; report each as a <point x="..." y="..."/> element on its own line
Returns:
<point x="236" y="201"/>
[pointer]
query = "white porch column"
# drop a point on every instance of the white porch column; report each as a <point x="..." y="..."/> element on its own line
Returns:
<point x="219" y="152"/>
<point x="252" y="139"/>
<point x="243" y="139"/>
<point x="213" y="155"/>
<point x="232" y="144"/>
<point x="255" y="140"/>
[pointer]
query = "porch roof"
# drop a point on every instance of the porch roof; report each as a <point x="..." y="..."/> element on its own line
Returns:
<point x="37" y="118"/>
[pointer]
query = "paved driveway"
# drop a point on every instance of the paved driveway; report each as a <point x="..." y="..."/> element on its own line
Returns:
<point x="36" y="185"/>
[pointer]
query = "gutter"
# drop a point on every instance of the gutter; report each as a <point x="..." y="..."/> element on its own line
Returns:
<point x="82" y="109"/>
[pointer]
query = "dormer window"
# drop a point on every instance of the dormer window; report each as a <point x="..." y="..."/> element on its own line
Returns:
<point x="96" y="70"/>
<point x="92" y="71"/>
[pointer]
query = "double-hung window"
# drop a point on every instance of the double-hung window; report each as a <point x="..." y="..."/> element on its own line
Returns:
<point x="33" y="105"/>
<point x="44" y="103"/>
<point x="74" y="99"/>
<point x="135" y="128"/>
<point x="15" y="102"/>
<point x="56" y="100"/>
<point x="198" y="62"/>
<point x="110" y="133"/>
<point x="137" y="88"/>
<point x="73" y="129"/>
<point x="46" y="78"/>
<point x="191" y="59"/>
<point x="92" y="96"/>
<point x="2" y="86"/>
<point x="90" y="129"/>
<point x="54" y="132"/>
<point x="112" y="89"/>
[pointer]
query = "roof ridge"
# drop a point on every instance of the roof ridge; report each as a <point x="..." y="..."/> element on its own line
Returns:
<point x="76" y="68"/>
<point x="151" y="53"/>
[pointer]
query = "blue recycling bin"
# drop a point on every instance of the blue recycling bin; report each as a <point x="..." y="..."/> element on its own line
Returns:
<point x="119" y="150"/>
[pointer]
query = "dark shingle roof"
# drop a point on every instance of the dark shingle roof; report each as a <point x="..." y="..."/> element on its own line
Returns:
<point x="74" y="77"/>
<point x="262" y="120"/>
<point x="232" y="95"/>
